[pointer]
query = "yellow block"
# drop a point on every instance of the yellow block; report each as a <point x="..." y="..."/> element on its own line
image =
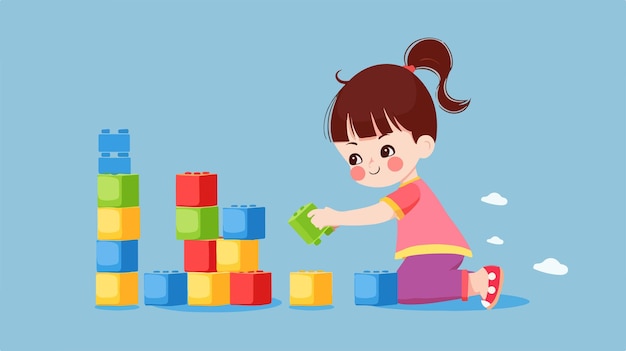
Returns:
<point x="208" y="288"/>
<point x="118" y="223"/>
<point x="237" y="255"/>
<point x="117" y="289"/>
<point x="312" y="288"/>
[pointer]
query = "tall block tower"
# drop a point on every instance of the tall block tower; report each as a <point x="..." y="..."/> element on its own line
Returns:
<point x="197" y="223"/>
<point x="117" y="244"/>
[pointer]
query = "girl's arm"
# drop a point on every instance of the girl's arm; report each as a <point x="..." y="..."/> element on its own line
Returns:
<point x="374" y="214"/>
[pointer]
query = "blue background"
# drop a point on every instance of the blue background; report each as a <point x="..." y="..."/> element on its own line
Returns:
<point x="240" y="88"/>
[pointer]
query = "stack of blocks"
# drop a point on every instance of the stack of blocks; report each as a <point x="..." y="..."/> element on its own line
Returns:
<point x="118" y="223"/>
<point x="197" y="223"/>
<point x="218" y="270"/>
<point x="238" y="254"/>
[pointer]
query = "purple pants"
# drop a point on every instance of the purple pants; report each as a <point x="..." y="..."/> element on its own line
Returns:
<point x="432" y="278"/>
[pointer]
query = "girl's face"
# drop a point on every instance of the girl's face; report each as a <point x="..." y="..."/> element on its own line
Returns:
<point x="384" y="159"/>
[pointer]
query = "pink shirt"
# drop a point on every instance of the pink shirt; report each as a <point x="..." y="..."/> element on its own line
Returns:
<point x="424" y="227"/>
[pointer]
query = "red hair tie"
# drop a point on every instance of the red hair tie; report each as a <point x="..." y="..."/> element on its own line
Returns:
<point x="410" y="68"/>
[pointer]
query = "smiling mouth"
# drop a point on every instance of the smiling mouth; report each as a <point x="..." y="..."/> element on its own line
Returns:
<point x="378" y="170"/>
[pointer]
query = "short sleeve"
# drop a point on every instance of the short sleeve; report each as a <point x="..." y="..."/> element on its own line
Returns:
<point x="403" y="200"/>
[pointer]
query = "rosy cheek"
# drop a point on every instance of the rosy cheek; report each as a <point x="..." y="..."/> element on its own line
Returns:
<point x="357" y="173"/>
<point x="395" y="164"/>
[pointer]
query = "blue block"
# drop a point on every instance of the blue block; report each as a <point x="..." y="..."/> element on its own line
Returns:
<point x="243" y="222"/>
<point x="165" y="288"/>
<point x="114" y="165"/>
<point x="375" y="288"/>
<point x="116" y="256"/>
<point x="108" y="142"/>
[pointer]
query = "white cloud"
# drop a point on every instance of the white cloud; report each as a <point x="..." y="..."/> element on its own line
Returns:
<point x="494" y="199"/>
<point x="551" y="266"/>
<point x="495" y="240"/>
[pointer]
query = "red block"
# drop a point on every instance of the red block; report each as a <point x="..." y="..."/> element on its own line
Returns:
<point x="196" y="189"/>
<point x="251" y="288"/>
<point x="200" y="256"/>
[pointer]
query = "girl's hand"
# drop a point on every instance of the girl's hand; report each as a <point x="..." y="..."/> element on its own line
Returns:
<point x="323" y="217"/>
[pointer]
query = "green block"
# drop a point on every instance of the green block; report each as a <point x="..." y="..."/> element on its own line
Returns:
<point x="301" y="223"/>
<point x="197" y="223"/>
<point x="118" y="190"/>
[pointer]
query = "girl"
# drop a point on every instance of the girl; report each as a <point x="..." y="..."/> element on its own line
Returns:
<point x="383" y="121"/>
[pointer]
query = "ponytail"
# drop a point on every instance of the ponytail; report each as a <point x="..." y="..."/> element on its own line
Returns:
<point x="433" y="55"/>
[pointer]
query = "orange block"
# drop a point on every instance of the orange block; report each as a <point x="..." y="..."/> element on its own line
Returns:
<point x="237" y="255"/>
<point x="117" y="289"/>
<point x="310" y="288"/>
<point x="118" y="223"/>
<point x="208" y="288"/>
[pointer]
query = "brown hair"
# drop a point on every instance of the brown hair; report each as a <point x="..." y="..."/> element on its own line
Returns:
<point x="391" y="90"/>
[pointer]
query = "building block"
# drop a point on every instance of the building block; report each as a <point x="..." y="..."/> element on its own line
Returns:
<point x="117" y="256"/>
<point x="243" y="222"/>
<point x="251" y="288"/>
<point x="200" y="256"/>
<point x="375" y="288"/>
<point x="109" y="142"/>
<point x="237" y="255"/>
<point x="197" y="223"/>
<point x="118" y="190"/>
<point x="117" y="289"/>
<point x="196" y="189"/>
<point x="301" y="223"/>
<point x="165" y="288"/>
<point x="208" y="289"/>
<point x="310" y="288"/>
<point x="118" y="223"/>
<point x="114" y="165"/>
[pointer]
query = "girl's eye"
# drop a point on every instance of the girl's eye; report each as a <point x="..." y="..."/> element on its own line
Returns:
<point x="355" y="159"/>
<point x="387" y="151"/>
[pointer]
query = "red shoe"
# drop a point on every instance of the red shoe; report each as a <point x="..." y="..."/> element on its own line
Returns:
<point x="496" y="277"/>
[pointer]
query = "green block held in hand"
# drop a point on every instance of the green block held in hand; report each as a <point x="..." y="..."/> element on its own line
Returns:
<point x="301" y="223"/>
